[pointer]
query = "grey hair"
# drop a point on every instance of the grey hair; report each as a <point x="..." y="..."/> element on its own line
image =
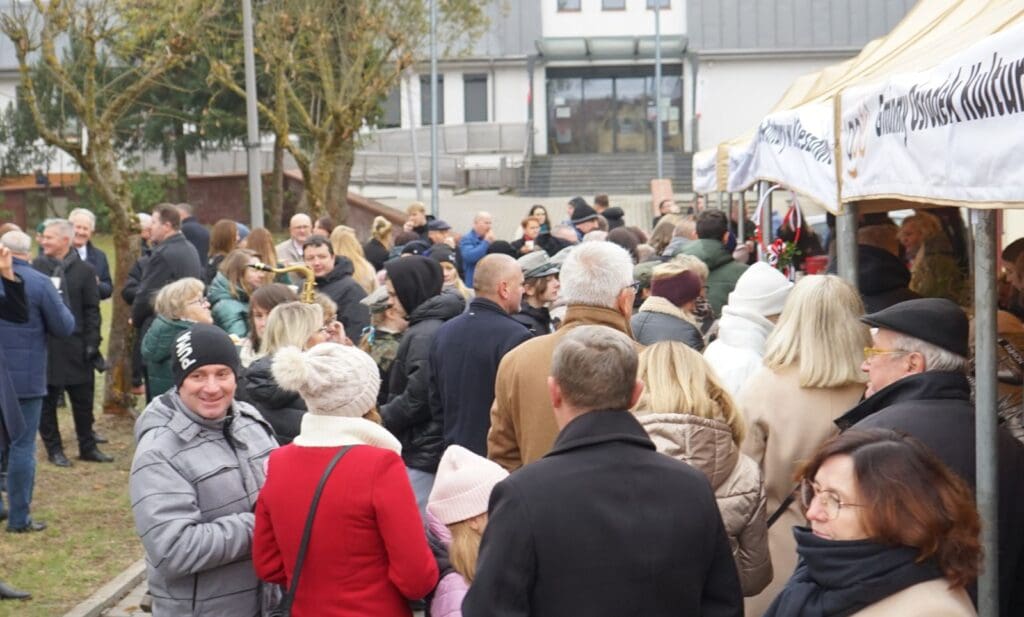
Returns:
<point x="595" y="236"/>
<point x="185" y="208"/>
<point x="145" y="220"/>
<point x="63" y="225"/>
<point x="935" y="358"/>
<point x="83" y="212"/>
<point x="18" y="242"/>
<point x="172" y="300"/>
<point x="595" y="367"/>
<point x="481" y="215"/>
<point x="595" y="273"/>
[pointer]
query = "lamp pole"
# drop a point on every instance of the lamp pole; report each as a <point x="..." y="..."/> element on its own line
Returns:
<point x="434" y="205"/>
<point x="252" y="138"/>
<point x="657" y="86"/>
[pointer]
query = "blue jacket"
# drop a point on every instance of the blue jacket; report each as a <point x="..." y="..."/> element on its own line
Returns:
<point x="98" y="260"/>
<point x="25" y="343"/>
<point x="473" y="249"/>
<point x="464" y="360"/>
<point x="14" y="309"/>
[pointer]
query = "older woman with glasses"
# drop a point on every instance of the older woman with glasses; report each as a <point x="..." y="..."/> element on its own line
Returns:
<point x="178" y="307"/>
<point x="891" y="531"/>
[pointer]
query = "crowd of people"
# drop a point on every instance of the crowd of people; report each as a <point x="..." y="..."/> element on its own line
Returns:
<point x="582" y="420"/>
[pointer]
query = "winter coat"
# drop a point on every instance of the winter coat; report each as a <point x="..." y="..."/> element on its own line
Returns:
<point x="473" y="248"/>
<point x="550" y="244"/>
<point x="708" y="445"/>
<point x="603" y="525"/>
<point x="283" y="409"/>
<point x="882" y="278"/>
<point x="367" y="554"/>
<point x="522" y="420"/>
<point x="536" y="320"/>
<point x="158" y="352"/>
<point x="13" y="308"/>
<point x="660" y="320"/>
<point x="376" y="253"/>
<point x="98" y="260"/>
<point x="193" y="487"/>
<point x="933" y="598"/>
<point x="339" y="286"/>
<point x="786" y="424"/>
<point x="446" y="601"/>
<point x="737" y="352"/>
<point x="212" y="268"/>
<point x="197" y="235"/>
<point x="724" y="270"/>
<point x="936" y="408"/>
<point x="464" y="361"/>
<point x="71" y="358"/>
<point x="174" y="258"/>
<point x="24" y="344"/>
<point x="412" y="414"/>
<point x="131" y="284"/>
<point x="230" y="313"/>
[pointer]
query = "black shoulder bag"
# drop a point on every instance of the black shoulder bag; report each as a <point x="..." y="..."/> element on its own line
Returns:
<point x="284" y="609"/>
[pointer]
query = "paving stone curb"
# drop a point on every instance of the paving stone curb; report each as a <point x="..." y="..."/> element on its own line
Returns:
<point x="109" y="594"/>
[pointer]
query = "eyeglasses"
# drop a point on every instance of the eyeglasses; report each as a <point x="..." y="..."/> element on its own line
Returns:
<point x="636" y="285"/>
<point x="831" y="502"/>
<point x="871" y="352"/>
<point x="200" y="301"/>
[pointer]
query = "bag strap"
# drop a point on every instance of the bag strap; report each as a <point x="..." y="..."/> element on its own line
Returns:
<point x="783" y="506"/>
<point x="286" y="603"/>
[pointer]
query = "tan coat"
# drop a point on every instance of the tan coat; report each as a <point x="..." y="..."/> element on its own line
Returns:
<point x="933" y="598"/>
<point x="786" y="425"/>
<point x="523" y="425"/>
<point x="735" y="478"/>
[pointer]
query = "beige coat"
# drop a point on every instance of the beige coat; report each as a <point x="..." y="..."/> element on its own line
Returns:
<point x="735" y="478"/>
<point x="786" y="425"/>
<point x="929" y="599"/>
<point x="523" y="425"/>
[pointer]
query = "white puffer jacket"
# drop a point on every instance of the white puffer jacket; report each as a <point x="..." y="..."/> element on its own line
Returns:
<point x="737" y="352"/>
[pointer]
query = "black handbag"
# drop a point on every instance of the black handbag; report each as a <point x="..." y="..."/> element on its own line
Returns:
<point x="284" y="609"/>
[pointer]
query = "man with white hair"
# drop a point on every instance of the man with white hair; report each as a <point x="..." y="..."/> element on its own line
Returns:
<point x="84" y="223"/>
<point x="597" y="285"/>
<point x="300" y="228"/>
<point x="473" y="246"/>
<point x="917" y="384"/>
<point x="73" y="359"/>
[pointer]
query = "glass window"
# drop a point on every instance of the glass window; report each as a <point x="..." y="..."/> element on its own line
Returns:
<point x="425" y="99"/>
<point x="568" y="5"/>
<point x="613" y="5"/>
<point x="391" y="109"/>
<point x="665" y="4"/>
<point x="475" y="95"/>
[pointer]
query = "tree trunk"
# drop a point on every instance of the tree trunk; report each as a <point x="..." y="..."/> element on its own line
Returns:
<point x="117" y="396"/>
<point x="275" y="207"/>
<point x="337" y="198"/>
<point x="180" y="162"/>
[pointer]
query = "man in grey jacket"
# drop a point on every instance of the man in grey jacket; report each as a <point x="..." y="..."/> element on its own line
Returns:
<point x="198" y="468"/>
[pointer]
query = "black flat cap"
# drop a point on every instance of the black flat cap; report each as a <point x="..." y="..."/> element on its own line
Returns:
<point x="934" y="320"/>
<point x="438" y="225"/>
<point x="583" y="212"/>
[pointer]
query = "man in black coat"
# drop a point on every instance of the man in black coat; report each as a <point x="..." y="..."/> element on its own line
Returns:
<point x="173" y="258"/>
<point x="917" y="384"/>
<point x="466" y="351"/>
<point x="84" y="223"/>
<point x="194" y="231"/>
<point x="73" y="359"/>
<point x="603" y="525"/>
<point x="334" y="279"/>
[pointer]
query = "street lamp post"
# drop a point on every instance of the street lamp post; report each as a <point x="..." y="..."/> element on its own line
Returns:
<point x="657" y="86"/>
<point x="252" y="138"/>
<point x="434" y="205"/>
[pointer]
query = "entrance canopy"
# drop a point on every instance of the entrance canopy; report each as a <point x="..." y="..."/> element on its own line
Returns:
<point x="610" y="47"/>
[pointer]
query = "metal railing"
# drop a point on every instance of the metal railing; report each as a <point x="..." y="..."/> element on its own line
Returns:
<point x="459" y="139"/>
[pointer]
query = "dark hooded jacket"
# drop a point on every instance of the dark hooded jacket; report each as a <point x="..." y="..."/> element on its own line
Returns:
<point x="882" y="278"/>
<point x="536" y="320"/>
<point x="339" y="286"/>
<point x="283" y="409"/>
<point x="615" y="217"/>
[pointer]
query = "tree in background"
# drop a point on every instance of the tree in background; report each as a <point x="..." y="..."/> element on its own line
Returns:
<point x="116" y="51"/>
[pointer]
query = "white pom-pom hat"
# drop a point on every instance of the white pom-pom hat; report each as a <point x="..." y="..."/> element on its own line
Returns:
<point x="333" y="379"/>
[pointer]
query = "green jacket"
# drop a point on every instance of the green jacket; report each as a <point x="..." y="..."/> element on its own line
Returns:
<point x="158" y="350"/>
<point x="230" y="314"/>
<point x="724" y="270"/>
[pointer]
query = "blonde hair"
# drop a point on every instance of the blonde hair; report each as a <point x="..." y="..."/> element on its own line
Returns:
<point x="820" y="332"/>
<point x="677" y="379"/>
<point x="173" y="298"/>
<point x="290" y="325"/>
<point x="381" y="230"/>
<point x="663" y="232"/>
<point x="459" y="286"/>
<point x="693" y="264"/>
<point x="464" y="549"/>
<point x="927" y="223"/>
<point x="327" y="305"/>
<point x="344" y="243"/>
<point x="416" y="206"/>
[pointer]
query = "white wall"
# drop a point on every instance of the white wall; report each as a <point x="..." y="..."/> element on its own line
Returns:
<point x="510" y="89"/>
<point x="734" y="95"/>
<point x="540" y="111"/>
<point x="590" y="20"/>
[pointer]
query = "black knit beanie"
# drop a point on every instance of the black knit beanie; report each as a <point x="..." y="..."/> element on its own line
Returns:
<point x="202" y="345"/>
<point x="416" y="279"/>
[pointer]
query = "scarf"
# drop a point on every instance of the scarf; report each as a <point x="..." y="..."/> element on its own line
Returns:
<point x="838" y="578"/>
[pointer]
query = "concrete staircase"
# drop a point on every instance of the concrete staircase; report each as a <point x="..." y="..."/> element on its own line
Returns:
<point x="589" y="174"/>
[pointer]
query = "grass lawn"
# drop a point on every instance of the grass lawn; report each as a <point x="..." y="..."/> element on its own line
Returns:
<point x="91" y="535"/>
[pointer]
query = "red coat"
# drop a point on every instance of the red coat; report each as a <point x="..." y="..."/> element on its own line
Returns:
<point x="368" y="552"/>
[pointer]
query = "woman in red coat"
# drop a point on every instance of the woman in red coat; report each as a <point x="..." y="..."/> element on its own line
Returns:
<point x="368" y="553"/>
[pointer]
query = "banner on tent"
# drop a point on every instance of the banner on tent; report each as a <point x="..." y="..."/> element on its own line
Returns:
<point x="794" y="148"/>
<point x="740" y="169"/>
<point x="705" y="178"/>
<point x="953" y="132"/>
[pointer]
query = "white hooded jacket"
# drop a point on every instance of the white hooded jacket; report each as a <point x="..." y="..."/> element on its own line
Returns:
<point x="739" y="348"/>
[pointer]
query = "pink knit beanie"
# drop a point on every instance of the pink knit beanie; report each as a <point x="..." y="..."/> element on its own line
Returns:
<point x="463" y="485"/>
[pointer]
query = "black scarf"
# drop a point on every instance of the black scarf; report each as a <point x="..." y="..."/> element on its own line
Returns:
<point x="838" y="578"/>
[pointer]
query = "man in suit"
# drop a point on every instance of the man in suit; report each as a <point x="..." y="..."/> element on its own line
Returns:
<point x="84" y="223"/>
<point x="26" y="357"/>
<point x="73" y="359"/>
<point x="194" y="231"/>
<point x="603" y="525"/>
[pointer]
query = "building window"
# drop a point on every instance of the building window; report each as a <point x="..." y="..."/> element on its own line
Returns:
<point x="391" y="109"/>
<point x="665" y="4"/>
<point x="425" y="99"/>
<point x="568" y="5"/>
<point x="475" y="95"/>
<point x="613" y="5"/>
